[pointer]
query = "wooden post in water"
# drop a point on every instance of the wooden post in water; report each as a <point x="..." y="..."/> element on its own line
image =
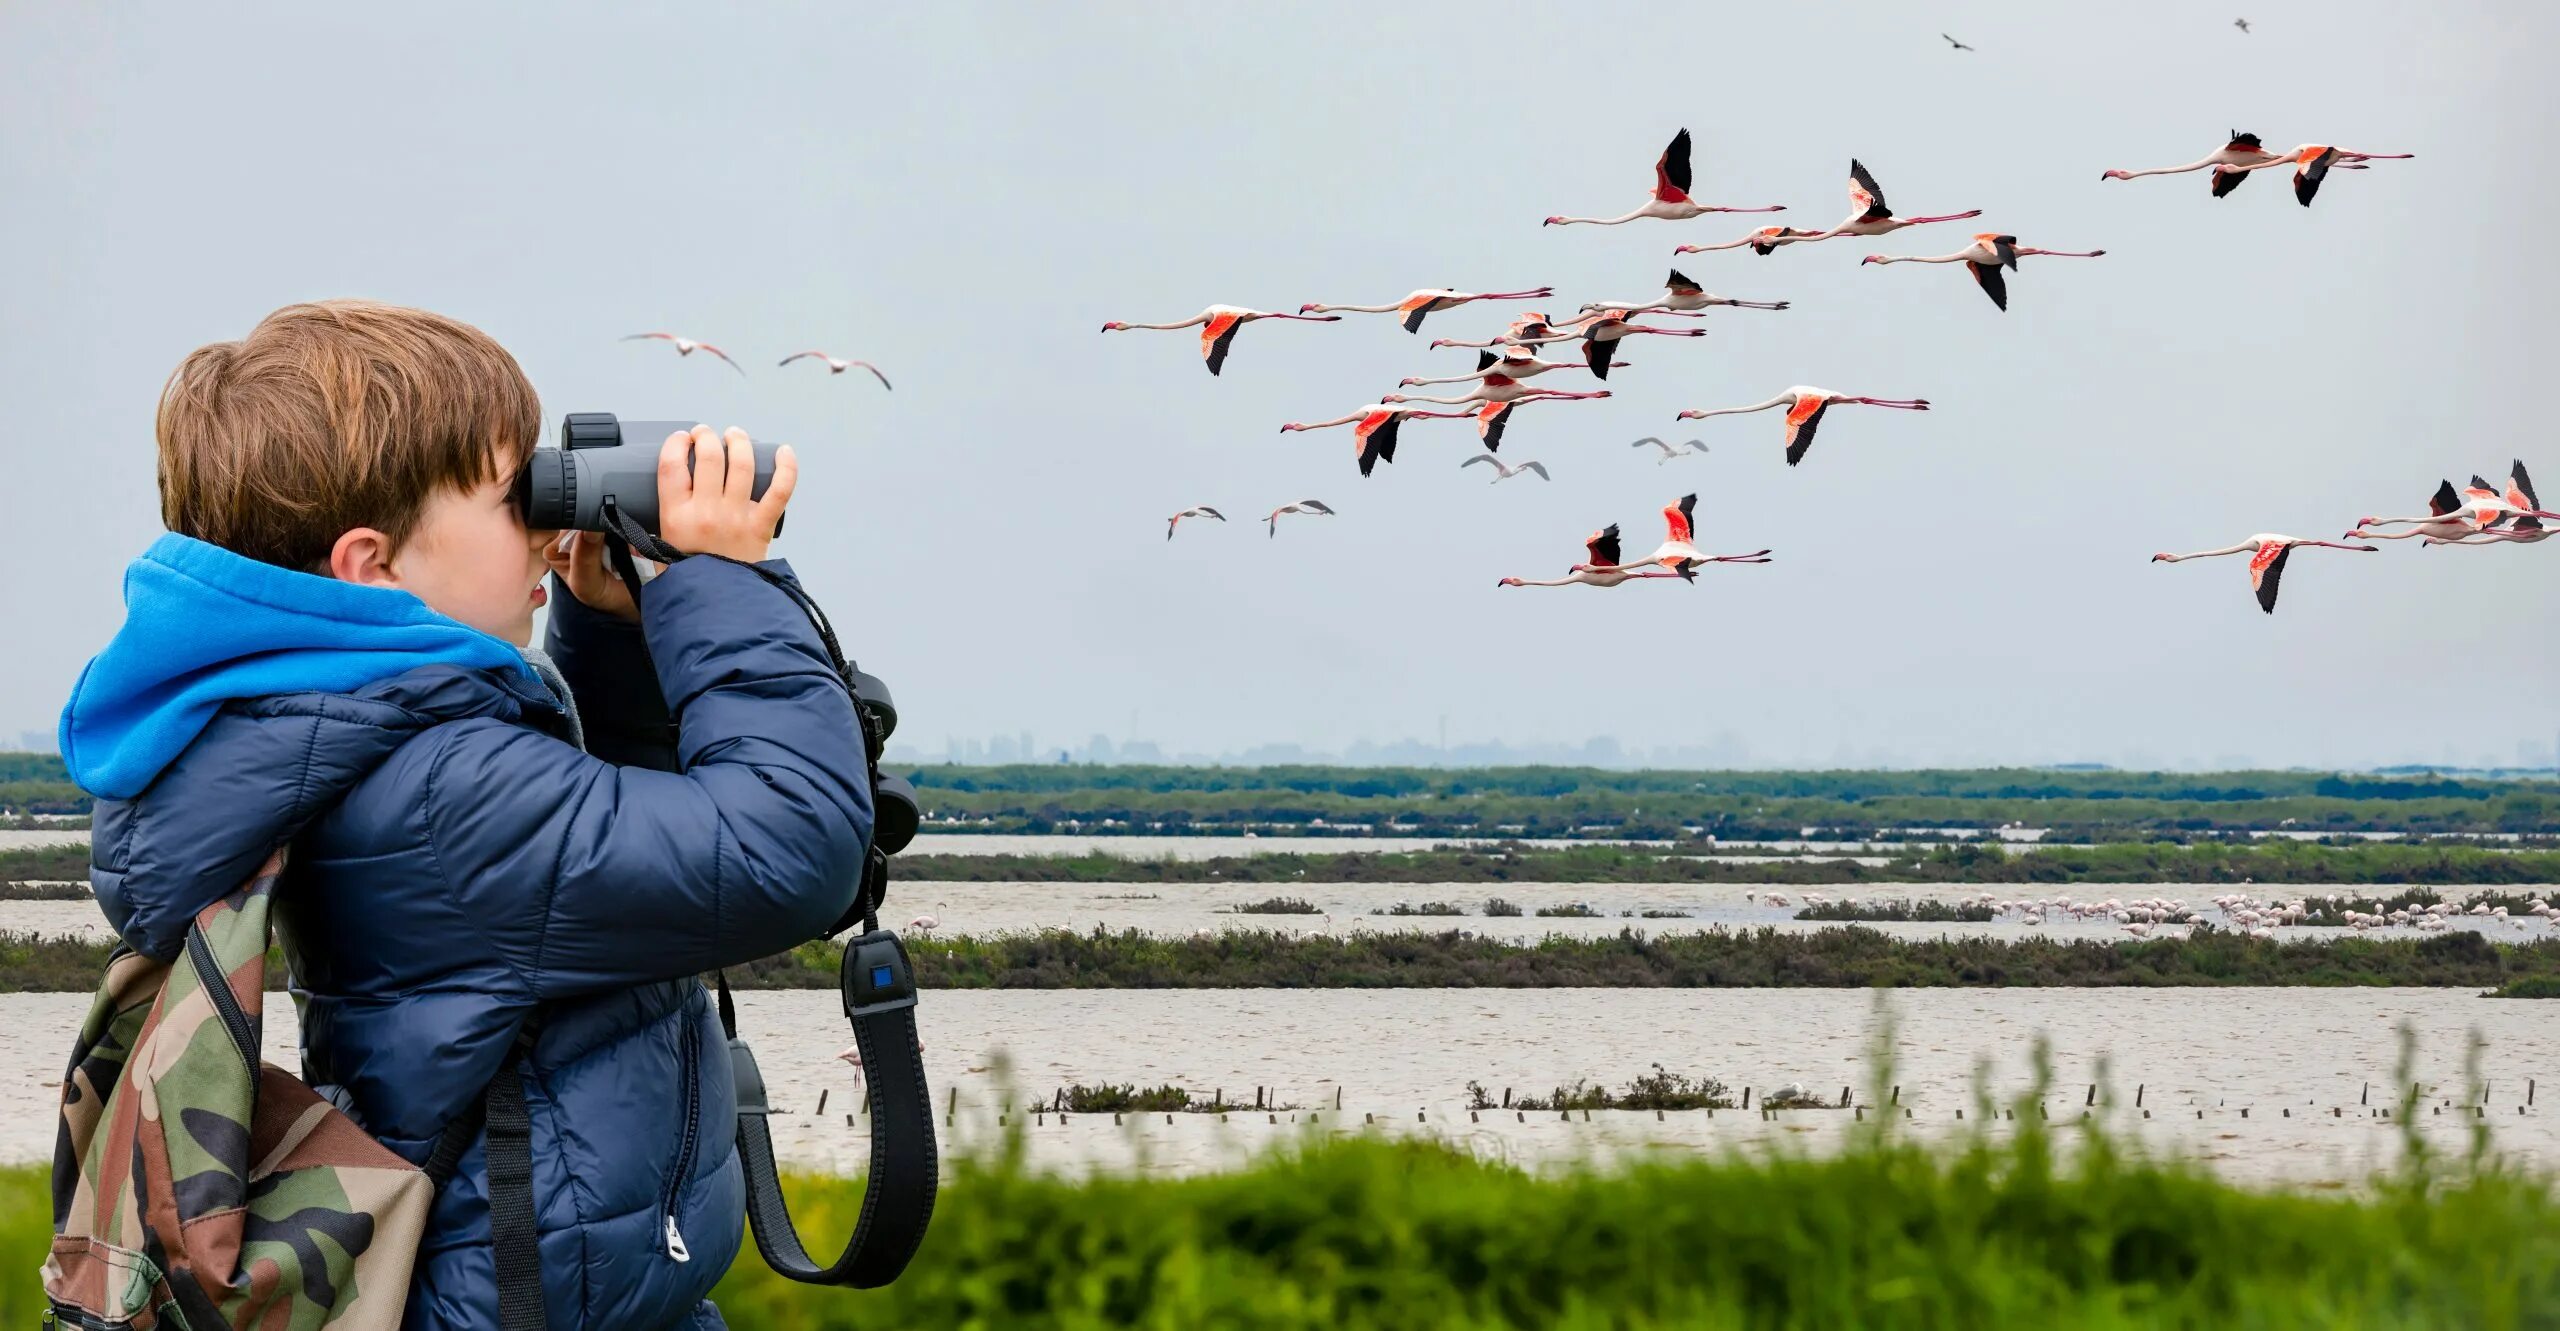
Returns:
<point x="822" y="1100"/>
<point x="1337" y="1095"/>
<point x="2528" y="1091"/>
<point x="2367" y="1097"/>
<point x="1746" y="1097"/>
<point x="2093" y="1094"/>
<point x="2137" y="1095"/>
<point x="1897" y="1095"/>
<point x="1506" y="1097"/>
<point x="1844" y="1097"/>
<point x="1218" y="1100"/>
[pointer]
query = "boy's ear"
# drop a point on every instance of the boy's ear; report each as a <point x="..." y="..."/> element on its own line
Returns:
<point x="363" y="556"/>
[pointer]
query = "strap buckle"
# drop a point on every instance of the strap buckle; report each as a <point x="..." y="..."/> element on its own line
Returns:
<point x="876" y="978"/>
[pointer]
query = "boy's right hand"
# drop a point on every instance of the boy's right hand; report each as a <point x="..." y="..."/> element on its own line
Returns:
<point x="709" y="508"/>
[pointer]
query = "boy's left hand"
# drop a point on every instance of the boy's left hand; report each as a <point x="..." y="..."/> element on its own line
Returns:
<point x="582" y="569"/>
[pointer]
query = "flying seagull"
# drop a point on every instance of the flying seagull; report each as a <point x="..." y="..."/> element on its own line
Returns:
<point x="1956" y="44"/>
<point x="2240" y="23"/>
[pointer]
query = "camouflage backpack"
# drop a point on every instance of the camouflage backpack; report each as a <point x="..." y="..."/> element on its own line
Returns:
<point x="195" y="1187"/>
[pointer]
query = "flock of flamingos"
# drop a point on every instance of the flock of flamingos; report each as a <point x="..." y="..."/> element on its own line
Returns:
<point x="2481" y="513"/>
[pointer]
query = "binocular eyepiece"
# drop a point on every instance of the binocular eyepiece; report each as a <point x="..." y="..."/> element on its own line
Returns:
<point x="603" y="463"/>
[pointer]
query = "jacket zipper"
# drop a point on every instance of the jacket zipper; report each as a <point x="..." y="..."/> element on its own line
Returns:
<point x="226" y="1005"/>
<point x="690" y="1058"/>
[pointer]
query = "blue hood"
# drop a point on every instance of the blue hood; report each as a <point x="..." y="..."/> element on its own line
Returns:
<point x="204" y="627"/>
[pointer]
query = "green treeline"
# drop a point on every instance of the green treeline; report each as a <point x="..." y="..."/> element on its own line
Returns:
<point x="1372" y="1235"/>
<point x="1579" y="801"/>
<point x="2270" y="862"/>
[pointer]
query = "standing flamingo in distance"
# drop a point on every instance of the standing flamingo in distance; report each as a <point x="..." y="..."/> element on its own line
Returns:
<point x="1805" y="406"/>
<point x="1429" y="301"/>
<point x="1669" y="452"/>
<point x="1203" y="511"/>
<point x="1310" y="507"/>
<point x="1218" y="325"/>
<point x="686" y="346"/>
<point x="1679" y="551"/>
<point x="1374" y="429"/>
<point x="1679" y="296"/>
<point x="1514" y="363"/>
<point x="1986" y="256"/>
<point x="1503" y="471"/>
<point x="2312" y="163"/>
<point x="1871" y="216"/>
<point x="2445" y="521"/>
<point x="835" y="366"/>
<point x="1600" y="340"/>
<point x="1601" y="570"/>
<point x="1763" y="242"/>
<point x="2267" y="555"/>
<point x="1670" y="201"/>
<point x="2242" y="150"/>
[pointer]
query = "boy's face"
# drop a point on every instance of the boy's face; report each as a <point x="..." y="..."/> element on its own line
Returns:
<point x="470" y="557"/>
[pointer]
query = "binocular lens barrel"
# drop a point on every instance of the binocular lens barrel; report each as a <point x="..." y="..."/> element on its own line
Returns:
<point x="600" y="458"/>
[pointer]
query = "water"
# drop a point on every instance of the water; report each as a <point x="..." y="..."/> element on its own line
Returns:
<point x="1393" y="1054"/>
<point x="12" y="838"/>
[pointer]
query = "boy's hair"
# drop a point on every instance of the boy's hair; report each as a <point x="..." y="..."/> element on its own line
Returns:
<point x="335" y="415"/>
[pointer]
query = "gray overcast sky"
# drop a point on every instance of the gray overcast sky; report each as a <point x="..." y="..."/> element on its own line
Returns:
<point x="963" y="193"/>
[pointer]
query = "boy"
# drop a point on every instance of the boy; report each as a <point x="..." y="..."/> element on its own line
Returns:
<point x="324" y="651"/>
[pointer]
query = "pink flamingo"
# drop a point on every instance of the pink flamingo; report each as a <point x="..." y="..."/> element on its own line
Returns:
<point x="1429" y="301"/>
<point x="1495" y="417"/>
<point x="1374" y="427"/>
<point x="1805" y="406"/>
<point x="1670" y="201"/>
<point x="2267" y="555"/>
<point x="1218" y="325"/>
<point x="2242" y="150"/>
<point x="1600" y="339"/>
<point x="1601" y="570"/>
<point x="1987" y="255"/>
<point x="1515" y="362"/>
<point x="686" y="346"/>
<point x="1763" y="242"/>
<point x="1203" y="511"/>
<point x="836" y="366"/>
<point x="2446" y="522"/>
<point x="1679" y="296"/>
<point x="1873" y="217"/>
<point x="1679" y="551"/>
<point x="2312" y="163"/>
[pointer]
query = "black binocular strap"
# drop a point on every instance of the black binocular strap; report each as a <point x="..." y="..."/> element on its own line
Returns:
<point x="898" y="1194"/>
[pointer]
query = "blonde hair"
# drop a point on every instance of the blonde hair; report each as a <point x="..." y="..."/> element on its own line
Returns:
<point x="334" y="415"/>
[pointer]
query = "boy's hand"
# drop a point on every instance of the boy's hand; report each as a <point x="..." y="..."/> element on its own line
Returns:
<point x="708" y="510"/>
<point x="582" y="569"/>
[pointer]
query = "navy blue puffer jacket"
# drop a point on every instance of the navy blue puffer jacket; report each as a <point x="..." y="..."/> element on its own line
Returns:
<point x="458" y="865"/>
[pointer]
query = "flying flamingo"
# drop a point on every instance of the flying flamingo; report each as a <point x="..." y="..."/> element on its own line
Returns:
<point x="835" y="366"/>
<point x="2312" y="163"/>
<point x="1531" y="329"/>
<point x="2523" y="522"/>
<point x="1495" y="417"/>
<point x="1218" y="325"/>
<point x="1679" y="296"/>
<point x="2445" y="521"/>
<point x="1956" y="44"/>
<point x="1873" y="217"/>
<point x="2242" y="150"/>
<point x="1429" y="301"/>
<point x="1203" y="511"/>
<point x="2489" y="506"/>
<point x="1805" y="407"/>
<point x="1679" y="553"/>
<point x="1601" y="570"/>
<point x="1374" y="429"/>
<point x="1514" y="363"/>
<point x="2267" y="555"/>
<point x="1504" y="471"/>
<point x="1669" y="452"/>
<point x="1986" y="256"/>
<point x="1310" y="507"/>
<point x="1670" y="201"/>
<point x="1763" y="242"/>
<point x="685" y="346"/>
<point x="1492" y="387"/>
<point x="1600" y="340"/>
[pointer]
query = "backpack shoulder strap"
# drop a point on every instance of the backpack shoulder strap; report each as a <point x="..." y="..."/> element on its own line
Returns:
<point x="514" y="1242"/>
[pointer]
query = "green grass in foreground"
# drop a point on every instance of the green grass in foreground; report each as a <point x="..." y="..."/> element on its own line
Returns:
<point x="1367" y="1235"/>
